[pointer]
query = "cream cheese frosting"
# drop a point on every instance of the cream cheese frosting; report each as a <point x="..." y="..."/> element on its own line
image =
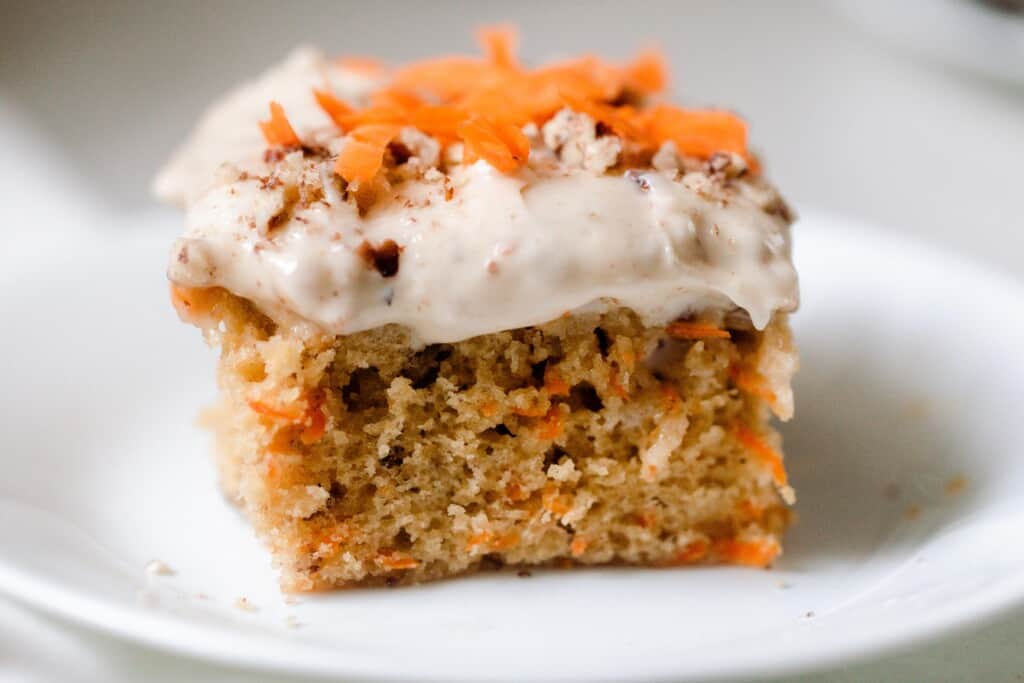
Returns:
<point x="478" y="251"/>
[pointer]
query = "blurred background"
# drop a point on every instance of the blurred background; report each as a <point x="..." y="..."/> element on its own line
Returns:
<point x="909" y="115"/>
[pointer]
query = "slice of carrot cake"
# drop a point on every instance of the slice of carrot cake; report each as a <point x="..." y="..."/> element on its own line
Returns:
<point x="472" y="312"/>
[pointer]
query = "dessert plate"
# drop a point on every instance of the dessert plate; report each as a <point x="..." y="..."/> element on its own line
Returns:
<point x="904" y="453"/>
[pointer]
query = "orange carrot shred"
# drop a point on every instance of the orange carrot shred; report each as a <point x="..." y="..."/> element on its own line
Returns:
<point x="752" y="382"/>
<point x="554" y="384"/>
<point x="499" y="45"/>
<point x="551" y="426"/>
<point x="363" y="153"/>
<point x="286" y="414"/>
<point x="277" y="130"/>
<point x="485" y="102"/>
<point x="553" y="501"/>
<point x="360" y="63"/>
<point x="393" y="98"/>
<point x="441" y="121"/>
<point x="692" y="552"/>
<point x="502" y="145"/>
<point x="757" y="553"/>
<point x="698" y="133"/>
<point x="333" y="107"/>
<point x="578" y="546"/>
<point x="685" y="330"/>
<point x="395" y="560"/>
<point x="647" y="73"/>
<point x="753" y="443"/>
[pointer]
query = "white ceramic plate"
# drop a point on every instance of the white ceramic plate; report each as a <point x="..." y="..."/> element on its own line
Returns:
<point x="912" y="379"/>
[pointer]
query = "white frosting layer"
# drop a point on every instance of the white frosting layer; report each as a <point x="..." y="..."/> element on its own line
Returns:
<point x="503" y="252"/>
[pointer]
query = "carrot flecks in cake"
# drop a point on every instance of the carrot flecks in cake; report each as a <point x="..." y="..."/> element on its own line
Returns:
<point x="768" y="455"/>
<point x="686" y="330"/>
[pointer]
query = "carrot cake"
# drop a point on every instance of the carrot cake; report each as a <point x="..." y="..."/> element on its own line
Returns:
<point x="472" y="312"/>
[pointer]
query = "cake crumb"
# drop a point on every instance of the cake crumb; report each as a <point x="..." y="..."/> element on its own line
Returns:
<point x="912" y="512"/>
<point x="243" y="604"/>
<point x="956" y="485"/>
<point x="158" y="568"/>
<point x="809" y="614"/>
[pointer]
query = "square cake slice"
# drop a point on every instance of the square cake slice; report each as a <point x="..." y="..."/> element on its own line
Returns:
<point x="472" y="313"/>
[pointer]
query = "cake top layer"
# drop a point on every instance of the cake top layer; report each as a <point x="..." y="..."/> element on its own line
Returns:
<point x="462" y="196"/>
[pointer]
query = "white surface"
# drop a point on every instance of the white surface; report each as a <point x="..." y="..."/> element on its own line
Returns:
<point x="847" y="123"/>
<point x="889" y="422"/>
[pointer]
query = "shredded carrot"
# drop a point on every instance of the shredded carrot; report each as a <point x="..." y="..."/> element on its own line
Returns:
<point x="499" y="44"/>
<point x="368" y="65"/>
<point x="478" y="539"/>
<point x="337" y="110"/>
<point x="686" y="330"/>
<point x="307" y="415"/>
<point x="363" y="153"/>
<point x="506" y="541"/>
<point x="551" y="426"/>
<point x="392" y="98"/>
<point x="396" y="560"/>
<point x="756" y="553"/>
<point x="610" y="116"/>
<point x="752" y="382"/>
<point x="502" y="145"/>
<point x="441" y="121"/>
<point x="493" y="541"/>
<point x="282" y="441"/>
<point x="489" y="408"/>
<point x="578" y="546"/>
<point x="277" y="130"/>
<point x="514" y="492"/>
<point x="753" y="443"/>
<point x="289" y="414"/>
<point x="554" y="384"/>
<point x="343" y="533"/>
<point x="692" y="552"/>
<point x="554" y="502"/>
<point x="446" y="78"/>
<point x="697" y="133"/>
<point x="484" y="102"/>
<point x="647" y="74"/>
